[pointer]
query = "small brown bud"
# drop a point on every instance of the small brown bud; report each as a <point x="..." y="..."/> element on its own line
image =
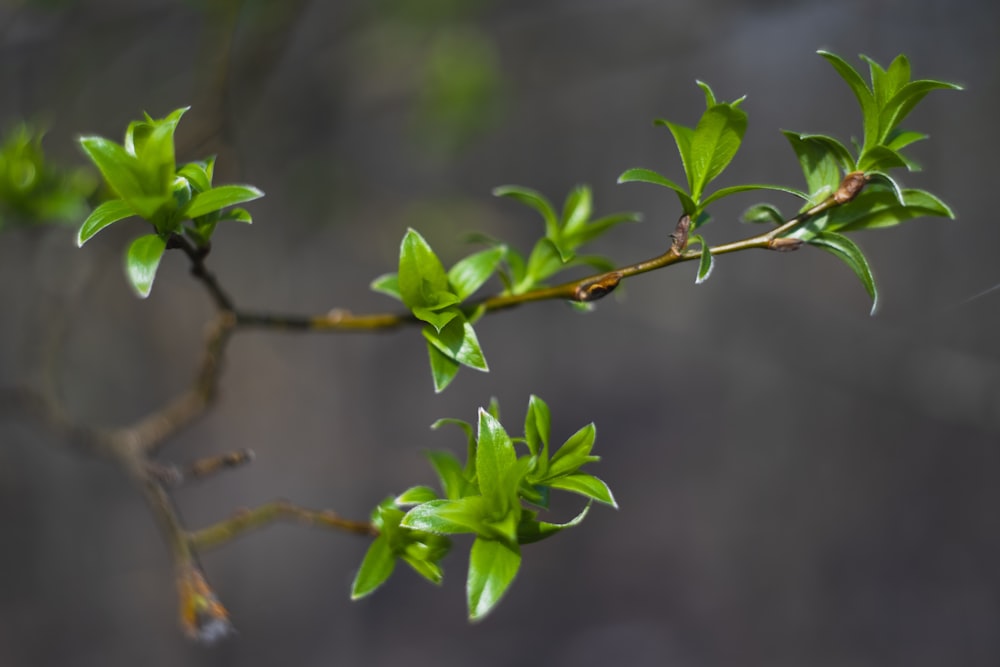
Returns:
<point x="680" y="236"/>
<point x="784" y="244"/>
<point x="598" y="288"/>
<point x="849" y="188"/>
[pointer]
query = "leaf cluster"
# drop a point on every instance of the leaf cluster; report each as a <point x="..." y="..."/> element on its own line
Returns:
<point x="146" y="183"/>
<point x="33" y="191"/>
<point x="495" y="496"/>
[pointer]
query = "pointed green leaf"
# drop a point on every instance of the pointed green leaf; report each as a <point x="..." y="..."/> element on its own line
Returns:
<point x="903" y="102"/>
<point x="416" y="495"/>
<point x="388" y="284"/>
<point x="438" y="319"/>
<point x="102" y="216"/>
<point x="531" y="530"/>
<point x="142" y="260"/>
<point x="736" y="189"/>
<point x="707" y="261"/>
<point x="443" y="368"/>
<point x="640" y="175"/>
<point x="573" y="453"/>
<point x="429" y="570"/>
<point x="869" y="109"/>
<point x="470" y="273"/>
<point x="847" y="251"/>
<point x="494" y="456"/>
<point x="880" y="158"/>
<point x="763" y="213"/>
<point x="577" y="209"/>
<point x="585" y="485"/>
<point x="198" y="174"/>
<point x="457" y="340"/>
<point x="710" y="100"/>
<point x="447" y="517"/>
<point x="219" y="198"/>
<point x="449" y="471"/>
<point x="879" y="178"/>
<point x="236" y="215"/>
<point x="537" y="426"/>
<point x="492" y="567"/>
<point x="534" y="200"/>
<point x="421" y="276"/>
<point x="119" y="169"/>
<point x="715" y="142"/>
<point x="682" y="138"/>
<point x="874" y="209"/>
<point x="377" y="566"/>
<point x="821" y="164"/>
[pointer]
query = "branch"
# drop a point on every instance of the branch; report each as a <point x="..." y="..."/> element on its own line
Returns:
<point x="246" y="521"/>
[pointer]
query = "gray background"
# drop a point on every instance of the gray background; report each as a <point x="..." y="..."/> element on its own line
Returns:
<point x="800" y="484"/>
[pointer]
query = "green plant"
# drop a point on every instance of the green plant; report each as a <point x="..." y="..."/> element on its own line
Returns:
<point x="498" y="493"/>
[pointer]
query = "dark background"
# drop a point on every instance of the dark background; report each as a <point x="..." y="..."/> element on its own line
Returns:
<point x="800" y="483"/>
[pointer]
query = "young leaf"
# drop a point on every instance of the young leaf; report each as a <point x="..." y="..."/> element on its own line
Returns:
<point x="109" y="212"/>
<point x="438" y="319"/>
<point x="421" y="276"/>
<point x="119" y="169"/>
<point x="869" y="108"/>
<point x="820" y="164"/>
<point x="577" y="209"/>
<point x="531" y="530"/>
<point x="443" y="368"/>
<point x="470" y="273"/>
<point x="388" y="284"/>
<point x="377" y="566"/>
<point x="598" y="227"/>
<point x="903" y="102"/>
<point x="457" y="340"/>
<point x="447" y="517"/>
<point x="537" y="425"/>
<point x="142" y="260"/>
<point x="715" y="142"/>
<point x="416" y="495"/>
<point x="707" y="261"/>
<point x="682" y="138"/>
<point x="639" y="175"/>
<point x="763" y="213"/>
<point x="449" y="471"/>
<point x="847" y="251"/>
<point x="536" y="201"/>
<point x="494" y="457"/>
<point x="587" y="486"/>
<point x="492" y="567"/>
<point x="219" y="198"/>
<point x="574" y="453"/>
<point x="736" y="189"/>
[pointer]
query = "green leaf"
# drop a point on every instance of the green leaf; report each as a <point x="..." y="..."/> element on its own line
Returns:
<point x="710" y="100"/>
<point x="821" y="164"/>
<point x="199" y="174"/>
<point x="536" y="201"/>
<point x="438" y="319"/>
<point x="416" y="495"/>
<point x="880" y="158"/>
<point x="715" y="142"/>
<point x="531" y="530"/>
<point x="682" y="138"/>
<point x="119" y="169"/>
<point x="457" y="340"/>
<point x="219" y="198"/>
<point x="903" y="102"/>
<point x="377" y="566"/>
<point x="869" y="108"/>
<point x="449" y="471"/>
<point x="735" y="189"/>
<point x="574" y="453"/>
<point x="494" y="457"/>
<point x="577" y="209"/>
<point x="880" y="208"/>
<point x="537" y="426"/>
<point x="492" y="567"/>
<point x="388" y="284"/>
<point x="421" y="276"/>
<point x="470" y="273"/>
<point x="443" y="368"/>
<point x="879" y="178"/>
<point x="707" y="261"/>
<point x="847" y="251"/>
<point x="639" y="175"/>
<point x="236" y="215"/>
<point x="102" y="216"/>
<point x="585" y="485"/>
<point x="429" y="570"/>
<point x="447" y="517"/>
<point x="142" y="260"/>
<point x="763" y="213"/>
<point x="545" y="261"/>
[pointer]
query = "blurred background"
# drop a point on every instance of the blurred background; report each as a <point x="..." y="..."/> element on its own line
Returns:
<point x="800" y="483"/>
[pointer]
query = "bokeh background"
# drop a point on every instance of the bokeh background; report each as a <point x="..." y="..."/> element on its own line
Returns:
<point x="800" y="483"/>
